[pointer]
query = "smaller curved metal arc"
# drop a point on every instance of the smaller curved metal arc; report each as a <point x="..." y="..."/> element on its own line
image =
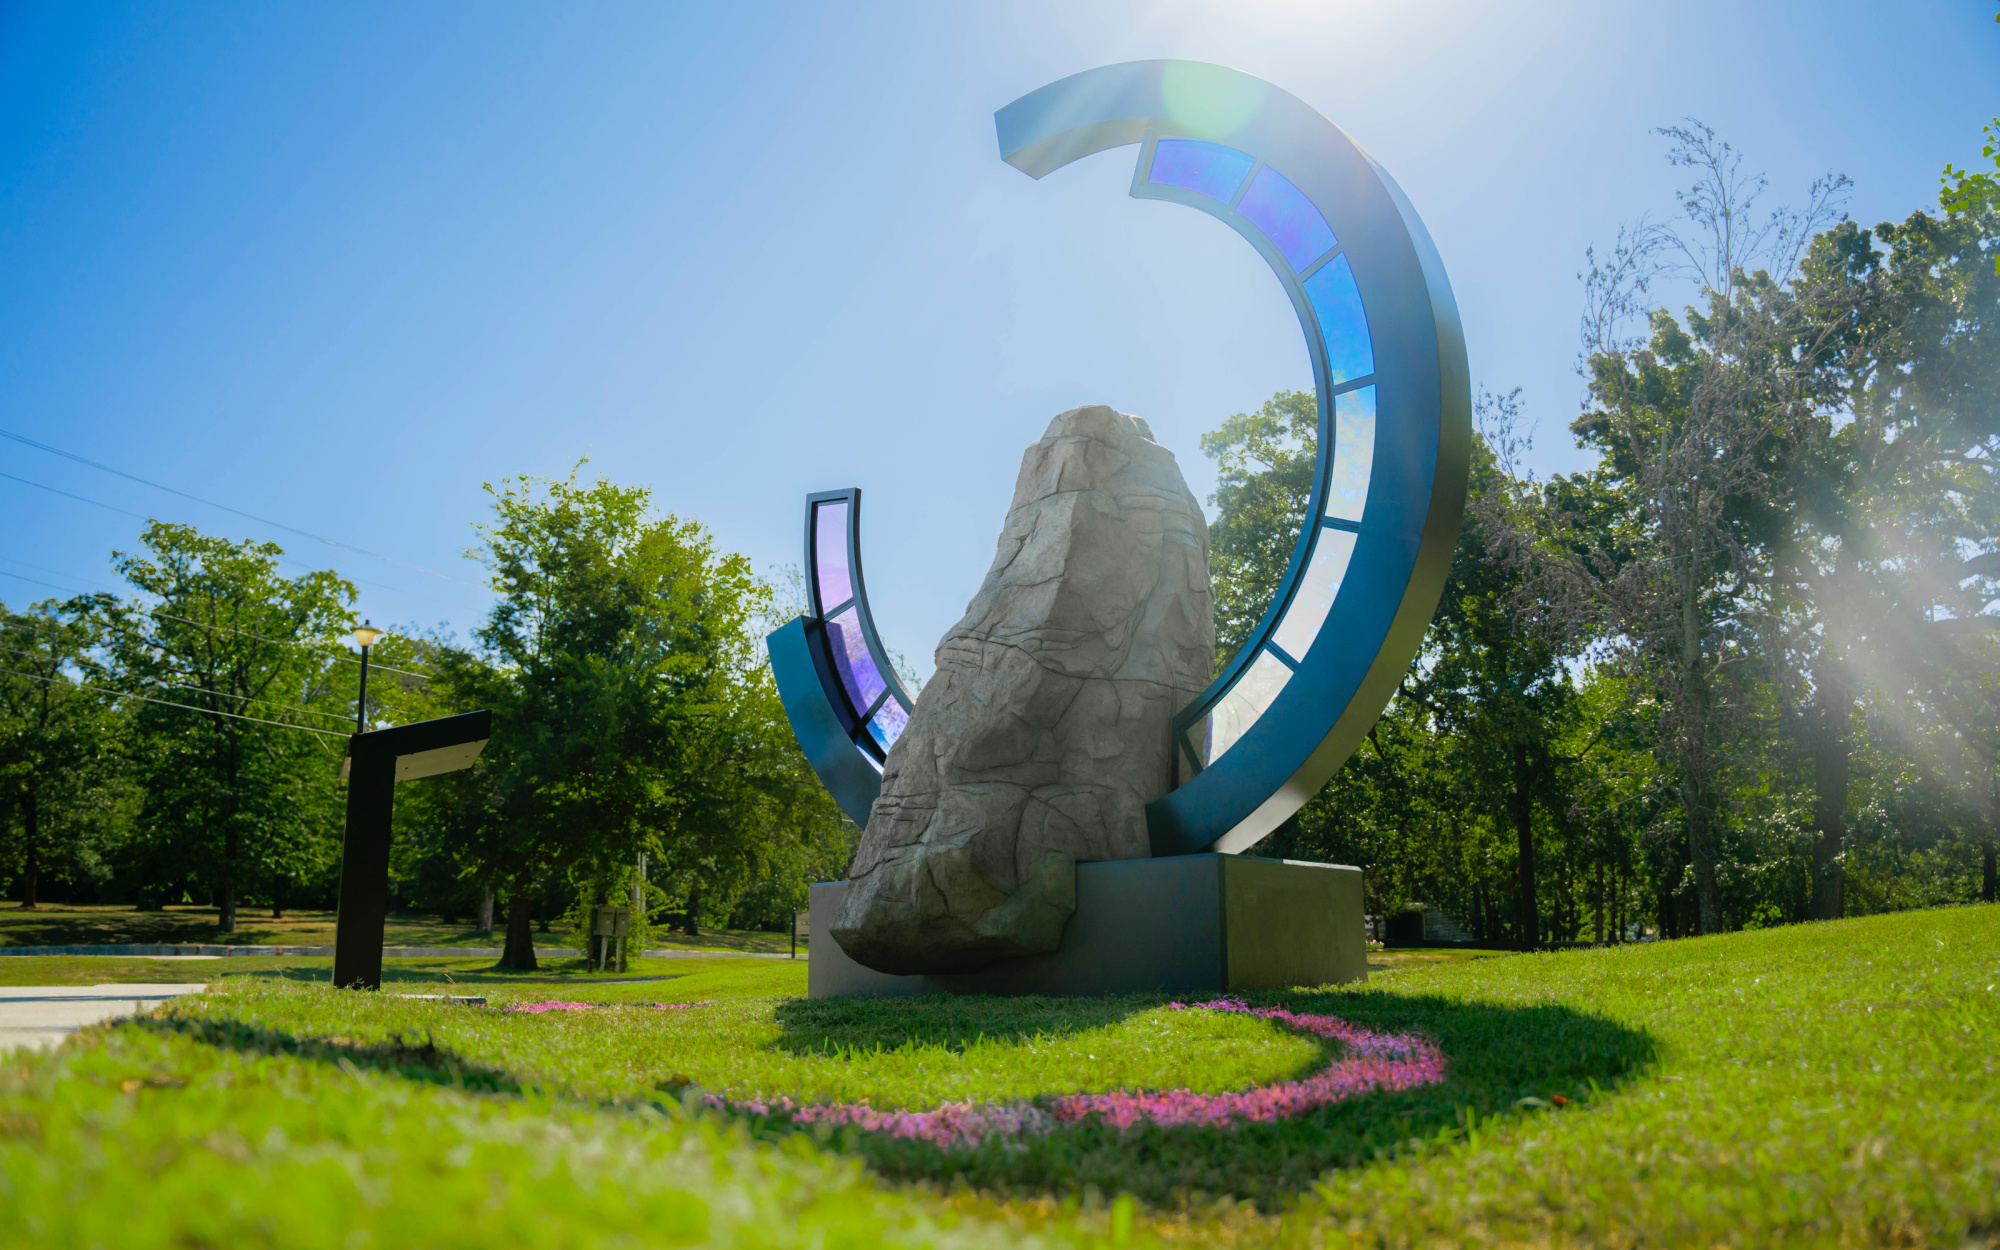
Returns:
<point x="827" y="717"/>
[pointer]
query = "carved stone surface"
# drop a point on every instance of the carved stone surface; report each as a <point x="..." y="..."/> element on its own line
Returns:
<point x="1046" y="729"/>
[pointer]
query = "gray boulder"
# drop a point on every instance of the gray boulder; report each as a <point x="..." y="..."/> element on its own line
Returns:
<point x="1047" y="727"/>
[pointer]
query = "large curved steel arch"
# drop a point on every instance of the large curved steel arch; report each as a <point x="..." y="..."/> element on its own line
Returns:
<point x="1389" y="368"/>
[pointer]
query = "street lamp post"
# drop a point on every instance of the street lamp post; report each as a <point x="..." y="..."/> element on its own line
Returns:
<point x="365" y="634"/>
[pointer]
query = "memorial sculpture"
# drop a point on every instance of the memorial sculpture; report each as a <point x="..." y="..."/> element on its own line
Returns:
<point x="1047" y="727"/>
<point x="1347" y="619"/>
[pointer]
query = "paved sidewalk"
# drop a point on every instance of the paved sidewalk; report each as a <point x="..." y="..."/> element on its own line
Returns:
<point x="39" y="1017"/>
<point x="388" y="952"/>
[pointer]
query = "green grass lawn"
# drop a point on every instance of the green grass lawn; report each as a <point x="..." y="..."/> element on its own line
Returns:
<point x="1820" y="1084"/>
<point x="63" y="924"/>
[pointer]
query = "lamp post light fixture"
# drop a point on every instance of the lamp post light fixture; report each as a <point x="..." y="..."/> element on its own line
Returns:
<point x="365" y="634"/>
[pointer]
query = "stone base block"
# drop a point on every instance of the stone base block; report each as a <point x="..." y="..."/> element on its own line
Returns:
<point x="1183" y="924"/>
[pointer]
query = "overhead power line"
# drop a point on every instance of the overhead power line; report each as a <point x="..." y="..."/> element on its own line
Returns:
<point x="290" y="529"/>
<point x="229" y="629"/>
<point x="343" y="717"/>
<point x="98" y="503"/>
<point x="186" y="707"/>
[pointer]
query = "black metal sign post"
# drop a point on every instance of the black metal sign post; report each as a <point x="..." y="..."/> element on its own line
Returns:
<point x="376" y="761"/>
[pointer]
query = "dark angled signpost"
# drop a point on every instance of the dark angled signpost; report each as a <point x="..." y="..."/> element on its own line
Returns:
<point x="376" y="761"/>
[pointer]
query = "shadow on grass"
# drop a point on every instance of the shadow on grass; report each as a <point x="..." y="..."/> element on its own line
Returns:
<point x="549" y="974"/>
<point x="1506" y="1062"/>
<point x="830" y="1025"/>
<point x="424" y="1061"/>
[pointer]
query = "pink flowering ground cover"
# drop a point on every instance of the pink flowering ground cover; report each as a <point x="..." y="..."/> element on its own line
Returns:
<point x="1372" y="1062"/>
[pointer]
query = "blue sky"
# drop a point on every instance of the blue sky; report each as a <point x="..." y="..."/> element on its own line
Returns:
<point x="338" y="265"/>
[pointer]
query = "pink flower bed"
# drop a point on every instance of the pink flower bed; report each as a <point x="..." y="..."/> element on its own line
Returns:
<point x="1373" y="1062"/>
<point x="559" y="1005"/>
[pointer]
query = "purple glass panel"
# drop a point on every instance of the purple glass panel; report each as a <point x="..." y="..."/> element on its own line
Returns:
<point x="830" y="555"/>
<point x="1283" y="213"/>
<point x="850" y="655"/>
<point x="889" y="723"/>
<point x="1336" y="301"/>
<point x="1209" y="168"/>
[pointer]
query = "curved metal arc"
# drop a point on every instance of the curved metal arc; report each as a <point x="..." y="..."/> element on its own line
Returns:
<point x="831" y="727"/>
<point x="1409" y="522"/>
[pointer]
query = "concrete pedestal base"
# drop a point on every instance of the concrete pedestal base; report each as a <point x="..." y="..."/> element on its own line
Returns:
<point x="1184" y="924"/>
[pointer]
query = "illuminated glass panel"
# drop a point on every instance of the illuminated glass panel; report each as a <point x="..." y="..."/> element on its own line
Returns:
<point x="830" y="555"/>
<point x="888" y="724"/>
<point x="850" y="655"/>
<point x="1210" y="168"/>
<point x="1317" y="588"/>
<point x="1353" y="453"/>
<point x="1245" y="702"/>
<point x="1287" y="217"/>
<point x="1336" y="301"/>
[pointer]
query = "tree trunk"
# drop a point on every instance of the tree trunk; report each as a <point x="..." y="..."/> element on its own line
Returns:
<point x="1597" y="922"/>
<point x="486" y="912"/>
<point x="1528" y="918"/>
<point x="1701" y="852"/>
<point x="1832" y="751"/>
<point x="691" y="923"/>
<point x="1988" y="892"/>
<point x="519" y="953"/>
<point x="31" y="872"/>
<point x="226" y="914"/>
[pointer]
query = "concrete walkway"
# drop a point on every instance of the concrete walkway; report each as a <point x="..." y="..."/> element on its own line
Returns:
<point x="39" y="1017"/>
<point x="388" y="952"/>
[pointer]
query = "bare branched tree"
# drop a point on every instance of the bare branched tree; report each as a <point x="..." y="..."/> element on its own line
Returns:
<point x="1664" y="553"/>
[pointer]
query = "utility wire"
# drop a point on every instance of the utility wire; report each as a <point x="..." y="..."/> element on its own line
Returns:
<point x="283" y="642"/>
<point x="79" y="498"/>
<point x="189" y="707"/>
<point x="222" y="694"/>
<point x="292" y="529"/>
<point x="96" y="503"/>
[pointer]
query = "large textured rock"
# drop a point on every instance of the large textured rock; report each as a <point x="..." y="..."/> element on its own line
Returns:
<point x="1046" y="729"/>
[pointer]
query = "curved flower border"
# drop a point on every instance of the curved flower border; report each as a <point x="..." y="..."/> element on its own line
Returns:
<point x="1374" y="1062"/>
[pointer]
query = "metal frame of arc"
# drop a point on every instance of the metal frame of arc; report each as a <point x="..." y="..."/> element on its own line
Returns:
<point x="840" y="691"/>
<point x="1395" y="433"/>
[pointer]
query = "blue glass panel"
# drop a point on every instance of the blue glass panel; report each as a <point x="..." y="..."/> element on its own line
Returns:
<point x="1336" y="301"/>
<point x="1209" y="168"/>
<point x="1287" y="217"/>
<point x="1235" y="712"/>
<point x="889" y="723"/>
<point x="850" y="656"/>
<point x="830" y="555"/>
<point x="1314" y="597"/>
<point x="1353" y="453"/>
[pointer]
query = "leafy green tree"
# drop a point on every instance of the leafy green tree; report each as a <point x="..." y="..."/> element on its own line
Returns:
<point x="1696" y="425"/>
<point x="634" y="712"/>
<point x="241" y="782"/>
<point x="1473" y="735"/>
<point x="60" y="766"/>
<point x="1976" y="191"/>
<point x="1498" y="685"/>
<point x="1895" y="483"/>
<point x="1264" y="470"/>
